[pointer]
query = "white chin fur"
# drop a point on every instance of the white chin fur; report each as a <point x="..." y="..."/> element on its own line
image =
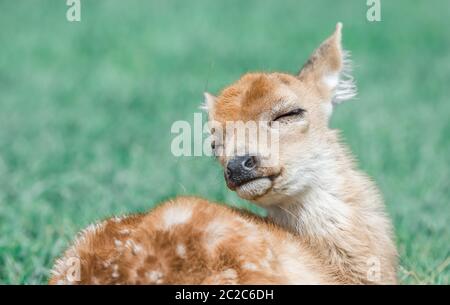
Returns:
<point x="254" y="188"/>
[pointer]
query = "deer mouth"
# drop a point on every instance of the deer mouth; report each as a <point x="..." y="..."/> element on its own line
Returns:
<point x="233" y="186"/>
<point x="255" y="188"/>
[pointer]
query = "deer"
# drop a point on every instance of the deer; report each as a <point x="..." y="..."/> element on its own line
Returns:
<point x="326" y="221"/>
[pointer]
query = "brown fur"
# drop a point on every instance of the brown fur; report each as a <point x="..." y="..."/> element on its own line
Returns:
<point x="214" y="245"/>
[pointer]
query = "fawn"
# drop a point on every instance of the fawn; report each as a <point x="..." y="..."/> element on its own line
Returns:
<point x="326" y="221"/>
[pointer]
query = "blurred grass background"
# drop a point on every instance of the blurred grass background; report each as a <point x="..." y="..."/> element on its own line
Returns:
<point x="86" y="110"/>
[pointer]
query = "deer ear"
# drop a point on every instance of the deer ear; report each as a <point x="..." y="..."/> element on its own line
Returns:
<point x="330" y="67"/>
<point x="209" y="101"/>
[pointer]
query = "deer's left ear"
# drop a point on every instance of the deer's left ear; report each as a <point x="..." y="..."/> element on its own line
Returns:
<point x="330" y="67"/>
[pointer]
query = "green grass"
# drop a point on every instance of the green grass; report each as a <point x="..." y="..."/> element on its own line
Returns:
<point x="86" y="110"/>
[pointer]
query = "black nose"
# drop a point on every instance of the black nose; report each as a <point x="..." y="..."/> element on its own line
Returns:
<point x="240" y="170"/>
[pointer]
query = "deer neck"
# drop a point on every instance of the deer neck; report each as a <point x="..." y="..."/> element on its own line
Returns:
<point x="337" y="216"/>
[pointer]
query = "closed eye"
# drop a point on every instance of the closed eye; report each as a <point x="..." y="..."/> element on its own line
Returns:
<point x="291" y="114"/>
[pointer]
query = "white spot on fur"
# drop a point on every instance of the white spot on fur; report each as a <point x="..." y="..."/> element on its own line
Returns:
<point x="155" y="276"/>
<point x="176" y="215"/>
<point x="230" y="273"/>
<point x="125" y="231"/>
<point x="228" y="276"/>
<point x="117" y="243"/>
<point x="95" y="281"/>
<point x="265" y="262"/>
<point x="216" y="231"/>
<point x="115" y="273"/>
<point x="181" y="250"/>
<point x="135" y="248"/>
<point x="250" y="266"/>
